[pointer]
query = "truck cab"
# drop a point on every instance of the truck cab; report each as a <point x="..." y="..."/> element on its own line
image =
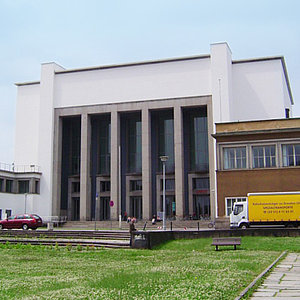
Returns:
<point x="239" y="215"/>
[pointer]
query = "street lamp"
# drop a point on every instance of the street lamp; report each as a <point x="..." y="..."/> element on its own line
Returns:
<point x="25" y="202"/>
<point x="163" y="159"/>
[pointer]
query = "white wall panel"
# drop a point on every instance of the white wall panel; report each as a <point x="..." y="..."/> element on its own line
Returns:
<point x="133" y="83"/>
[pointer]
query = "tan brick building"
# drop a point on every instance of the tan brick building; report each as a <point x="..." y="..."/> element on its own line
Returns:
<point x="256" y="156"/>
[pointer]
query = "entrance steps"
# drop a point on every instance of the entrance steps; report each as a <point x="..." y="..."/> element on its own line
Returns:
<point x="221" y="223"/>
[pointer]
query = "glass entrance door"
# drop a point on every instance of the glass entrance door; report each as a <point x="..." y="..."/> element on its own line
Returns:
<point x="136" y="207"/>
<point x="201" y="207"/>
<point x="75" y="209"/>
<point x="170" y="206"/>
<point x="104" y="208"/>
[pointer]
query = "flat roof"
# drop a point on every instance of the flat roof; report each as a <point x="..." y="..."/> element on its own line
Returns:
<point x="257" y="126"/>
<point x="159" y="61"/>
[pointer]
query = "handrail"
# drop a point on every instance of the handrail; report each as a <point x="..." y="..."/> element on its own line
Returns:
<point x="20" y="168"/>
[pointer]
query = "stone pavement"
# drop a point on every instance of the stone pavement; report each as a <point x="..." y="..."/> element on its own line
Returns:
<point x="283" y="282"/>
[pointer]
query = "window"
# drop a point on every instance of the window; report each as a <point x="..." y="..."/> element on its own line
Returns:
<point x="165" y="127"/>
<point x="136" y="185"/>
<point x="264" y="156"/>
<point x="198" y="140"/>
<point x="170" y="185"/>
<point x="201" y="185"/>
<point x="104" y="208"/>
<point x="75" y="187"/>
<point x="136" y="209"/>
<point x="8" y="213"/>
<point x="238" y="209"/>
<point x="170" y="206"/>
<point x="234" y="158"/>
<point x="291" y="155"/>
<point x="229" y="203"/>
<point x="201" y="207"/>
<point x="23" y="186"/>
<point x="9" y="186"/>
<point x="134" y="146"/>
<point x="287" y="113"/>
<point x="37" y="187"/>
<point x="1" y="184"/>
<point x="104" y="186"/>
<point x="104" y="131"/>
<point x="0" y="214"/>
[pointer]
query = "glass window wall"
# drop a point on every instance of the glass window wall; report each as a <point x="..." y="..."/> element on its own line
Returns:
<point x="166" y="142"/>
<point x="134" y="146"/>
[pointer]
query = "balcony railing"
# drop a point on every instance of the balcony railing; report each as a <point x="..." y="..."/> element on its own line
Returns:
<point x="20" y="168"/>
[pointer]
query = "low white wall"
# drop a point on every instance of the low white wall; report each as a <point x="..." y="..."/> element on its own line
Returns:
<point x="16" y="203"/>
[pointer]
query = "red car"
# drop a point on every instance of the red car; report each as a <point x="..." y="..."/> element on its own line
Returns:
<point x="24" y="221"/>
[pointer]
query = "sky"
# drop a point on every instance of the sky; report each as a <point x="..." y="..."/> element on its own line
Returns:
<point x="86" y="33"/>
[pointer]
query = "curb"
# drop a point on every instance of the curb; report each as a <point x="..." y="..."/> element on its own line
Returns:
<point x="245" y="291"/>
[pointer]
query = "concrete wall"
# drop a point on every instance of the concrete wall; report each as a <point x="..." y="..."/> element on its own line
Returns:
<point x="16" y="203"/>
<point x="150" y="239"/>
<point x="27" y="125"/>
<point x="133" y="83"/>
<point x="259" y="91"/>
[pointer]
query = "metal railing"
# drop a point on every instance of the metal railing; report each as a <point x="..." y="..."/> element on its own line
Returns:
<point x="54" y="219"/>
<point x="20" y="168"/>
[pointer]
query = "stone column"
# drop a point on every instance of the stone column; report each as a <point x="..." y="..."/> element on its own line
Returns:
<point x="178" y="152"/>
<point x="115" y="164"/>
<point x="85" y="188"/>
<point x="57" y="160"/>
<point x="146" y="163"/>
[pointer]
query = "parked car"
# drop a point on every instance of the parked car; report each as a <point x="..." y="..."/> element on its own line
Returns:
<point x="24" y="221"/>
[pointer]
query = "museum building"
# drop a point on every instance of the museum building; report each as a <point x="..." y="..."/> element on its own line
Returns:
<point x="98" y="134"/>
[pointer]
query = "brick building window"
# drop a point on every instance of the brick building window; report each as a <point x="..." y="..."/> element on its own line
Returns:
<point x="229" y="203"/>
<point x="264" y="156"/>
<point x="291" y="155"/>
<point x="234" y="158"/>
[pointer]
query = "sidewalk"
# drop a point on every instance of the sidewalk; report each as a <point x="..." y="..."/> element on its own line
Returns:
<point x="283" y="282"/>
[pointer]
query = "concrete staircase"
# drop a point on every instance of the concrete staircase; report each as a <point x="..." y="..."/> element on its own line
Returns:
<point x="221" y="223"/>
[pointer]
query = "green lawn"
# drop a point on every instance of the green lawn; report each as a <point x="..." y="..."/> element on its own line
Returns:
<point x="186" y="269"/>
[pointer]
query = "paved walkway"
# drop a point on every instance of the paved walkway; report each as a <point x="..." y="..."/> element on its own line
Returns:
<point x="283" y="282"/>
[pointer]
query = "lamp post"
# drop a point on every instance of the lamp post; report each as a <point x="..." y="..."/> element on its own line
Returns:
<point x="25" y="202"/>
<point x="163" y="159"/>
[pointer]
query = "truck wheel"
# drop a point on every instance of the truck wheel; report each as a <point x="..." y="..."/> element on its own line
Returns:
<point x="244" y="226"/>
<point x="25" y="227"/>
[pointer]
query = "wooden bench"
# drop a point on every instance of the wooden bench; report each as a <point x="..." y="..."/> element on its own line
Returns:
<point x="232" y="241"/>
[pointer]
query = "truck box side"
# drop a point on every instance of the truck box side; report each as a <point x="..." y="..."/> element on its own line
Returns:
<point x="281" y="207"/>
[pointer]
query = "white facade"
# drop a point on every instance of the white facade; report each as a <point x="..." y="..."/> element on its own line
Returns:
<point x="240" y="90"/>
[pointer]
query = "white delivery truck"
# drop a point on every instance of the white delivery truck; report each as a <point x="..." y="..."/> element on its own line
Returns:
<point x="267" y="209"/>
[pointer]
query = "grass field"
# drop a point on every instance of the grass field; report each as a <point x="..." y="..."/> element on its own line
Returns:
<point x="186" y="269"/>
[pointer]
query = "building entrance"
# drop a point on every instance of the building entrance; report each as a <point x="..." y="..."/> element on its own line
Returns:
<point x="170" y="206"/>
<point x="136" y="207"/>
<point x="104" y="208"/>
<point x="201" y="207"/>
<point x="75" y="209"/>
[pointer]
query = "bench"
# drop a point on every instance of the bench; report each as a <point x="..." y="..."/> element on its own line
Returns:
<point x="232" y="241"/>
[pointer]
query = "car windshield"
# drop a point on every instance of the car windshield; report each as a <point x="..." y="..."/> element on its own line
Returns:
<point x="238" y="209"/>
<point x="11" y="217"/>
<point x="36" y="217"/>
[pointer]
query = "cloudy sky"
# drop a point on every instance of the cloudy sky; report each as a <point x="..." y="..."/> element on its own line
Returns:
<point x="83" y="33"/>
